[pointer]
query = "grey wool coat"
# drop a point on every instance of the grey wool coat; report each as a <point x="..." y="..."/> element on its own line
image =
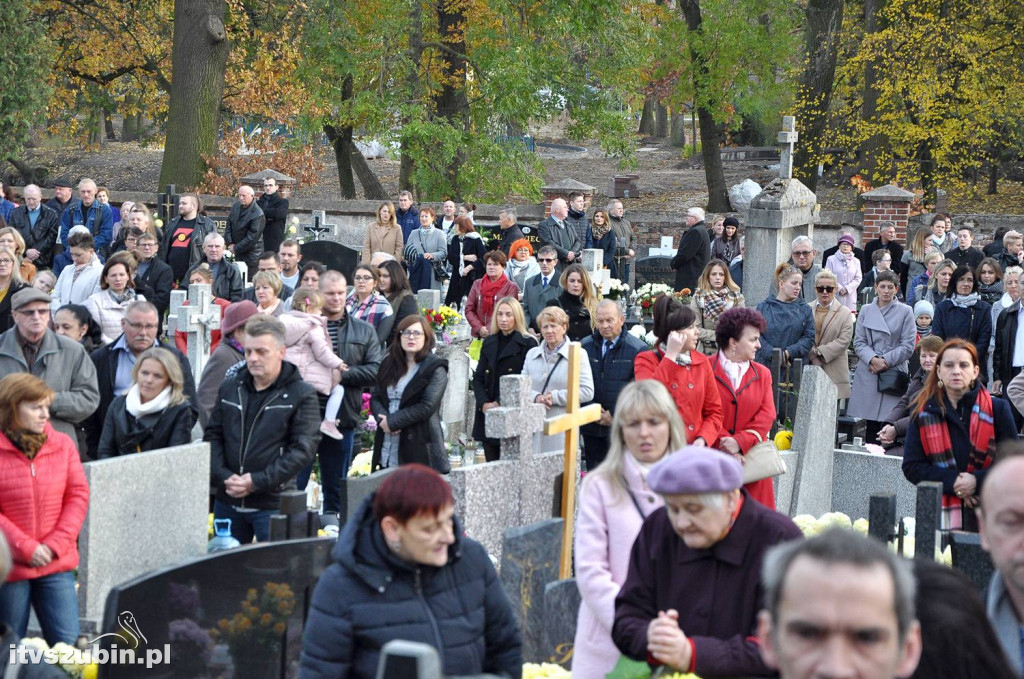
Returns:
<point x="888" y="332"/>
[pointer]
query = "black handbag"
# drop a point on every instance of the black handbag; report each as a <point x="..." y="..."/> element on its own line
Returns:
<point x="893" y="382"/>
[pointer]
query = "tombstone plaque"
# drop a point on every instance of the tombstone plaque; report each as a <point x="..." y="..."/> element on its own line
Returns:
<point x="529" y="562"/>
<point x="654" y="270"/>
<point x="561" y="607"/>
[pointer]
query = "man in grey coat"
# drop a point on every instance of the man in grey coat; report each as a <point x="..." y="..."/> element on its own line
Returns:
<point x="1002" y="506"/>
<point x="31" y="347"/>
<point x="559" y="234"/>
<point x="541" y="290"/>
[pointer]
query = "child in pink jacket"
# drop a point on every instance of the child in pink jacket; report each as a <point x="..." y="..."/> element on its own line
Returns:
<point x="308" y="346"/>
<point x="845" y="265"/>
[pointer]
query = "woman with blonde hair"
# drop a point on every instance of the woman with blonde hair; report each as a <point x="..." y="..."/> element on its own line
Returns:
<point x="913" y="258"/>
<point x="10" y="283"/>
<point x="547" y="366"/>
<point x="579" y="301"/>
<point x="383" y="234"/>
<point x="614" y="501"/>
<point x="154" y="414"/>
<point x="45" y="497"/>
<point x="790" y="320"/>
<point x="937" y="286"/>
<point x="503" y="353"/>
<point x="267" y="288"/>
<point x="833" y="330"/>
<point x="10" y="239"/>
<point x="716" y="293"/>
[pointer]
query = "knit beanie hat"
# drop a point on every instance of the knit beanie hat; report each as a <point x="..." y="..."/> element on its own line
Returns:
<point x="923" y="308"/>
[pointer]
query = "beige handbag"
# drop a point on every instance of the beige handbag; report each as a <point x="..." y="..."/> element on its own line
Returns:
<point x="762" y="461"/>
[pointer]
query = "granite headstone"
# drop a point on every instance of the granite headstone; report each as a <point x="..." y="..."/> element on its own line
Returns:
<point x="529" y="562"/>
<point x="856" y="476"/>
<point x="971" y="559"/>
<point x="561" y="607"/>
<point x="927" y="519"/>
<point x="656" y="269"/>
<point x="814" y="435"/>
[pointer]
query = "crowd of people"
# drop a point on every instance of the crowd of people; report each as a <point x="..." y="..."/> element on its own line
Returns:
<point x="88" y="372"/>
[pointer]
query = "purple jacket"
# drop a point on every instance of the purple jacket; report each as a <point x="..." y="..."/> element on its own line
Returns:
<point x="717" y="591"/>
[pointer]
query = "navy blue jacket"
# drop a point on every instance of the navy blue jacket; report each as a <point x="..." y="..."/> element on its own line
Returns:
<point x="409" y="220"/>
<point x="790" y="326"/>
<point x="98" y="218"/>
<point x="369" y="597"/>
<point x="611" y="373"/>
<point x="973" y="324"/>
<point x="917" y="467"/>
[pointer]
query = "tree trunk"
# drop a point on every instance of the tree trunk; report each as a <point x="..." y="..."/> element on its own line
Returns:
<point x="130" y="128"/>
<point x="710" y="134"/>
<point x="372" y="188"/>
<point x="340" y="139"/>
<point x="660" y="121"/>
<point x="821" y="49"/>
<point x="678" y="129"/>
<point x="198" y="61"/>
<point x="407" y="168"/>
<point x="451" y="102"/>
<point x="993" y="177"/>
<point x="647" y="118"/>
<point x="109" y="126"/>
<point x="869" y="110"/>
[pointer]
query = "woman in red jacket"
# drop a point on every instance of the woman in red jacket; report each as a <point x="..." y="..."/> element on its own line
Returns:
<point x="746" y="390"/>
<point x="43" y="500"/>
<point x="686" y="372"/>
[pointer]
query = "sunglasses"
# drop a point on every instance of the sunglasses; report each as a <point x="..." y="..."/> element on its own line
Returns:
<point x="825" y="288"/>
<point x="545" y="259"/>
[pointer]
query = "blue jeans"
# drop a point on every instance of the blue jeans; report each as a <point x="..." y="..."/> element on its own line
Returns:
<point x="54" y="600"/>
<point x="245" y="525"/>
<point x="335" y="457"/>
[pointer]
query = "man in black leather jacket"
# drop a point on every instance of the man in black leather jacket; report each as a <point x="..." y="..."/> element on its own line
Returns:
<point x="263" y="431"/>
<point x="244" y="232"/>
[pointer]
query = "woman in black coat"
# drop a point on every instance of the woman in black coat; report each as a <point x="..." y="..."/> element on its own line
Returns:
<point x="403" y="570"/>
<point x="407" y="401"/>
<point x="466" y="252"/>
<point x="394" y="285"/>
<point x="503" y="353"/>
<point x="579" y="302"/>
<point x="154" y="414"/>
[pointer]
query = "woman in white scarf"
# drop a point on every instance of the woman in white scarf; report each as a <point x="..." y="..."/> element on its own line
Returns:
<point x="155" y="412"/>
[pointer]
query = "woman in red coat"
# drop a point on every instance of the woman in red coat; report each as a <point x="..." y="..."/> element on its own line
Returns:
<point x="746" y="391"/>
<point x="488" y="290"/>
<point x="43" y="500"/>
<point x="686" y="372"/>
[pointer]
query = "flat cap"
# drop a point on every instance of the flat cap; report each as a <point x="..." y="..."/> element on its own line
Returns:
<point x="63" y="182"/>
<point x="27" y="296"/>
<point x="693" y="470"/>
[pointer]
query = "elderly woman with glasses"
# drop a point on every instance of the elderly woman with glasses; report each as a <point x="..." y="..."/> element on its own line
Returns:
<point x="833" y="330"/>
<point x="407" y="401"/>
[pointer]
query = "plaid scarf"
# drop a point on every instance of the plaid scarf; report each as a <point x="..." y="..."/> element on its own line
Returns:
<point x="713" y="303"/>
<point x="374" y="309"/>
<point x="938" y="448"/>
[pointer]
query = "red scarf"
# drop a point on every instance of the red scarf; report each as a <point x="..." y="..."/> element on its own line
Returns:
<point x="489" y="293"/>
<point x="938" y="448"/>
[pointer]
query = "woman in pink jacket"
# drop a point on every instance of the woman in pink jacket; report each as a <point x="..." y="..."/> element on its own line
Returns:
<point x="845" y="265"/>
<point x="614" y="501"/>
<point x="43" y="500"/>
<point x="308" y="347"/>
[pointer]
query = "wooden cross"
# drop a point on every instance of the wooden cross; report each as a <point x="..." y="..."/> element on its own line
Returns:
<point x="570" y="423"/>
<point x="787" y="137"/>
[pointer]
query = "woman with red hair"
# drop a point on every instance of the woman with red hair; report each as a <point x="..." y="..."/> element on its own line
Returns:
<point x="745" y="388"/>
<point x="953" y="432"/>
<point x="466" y="252"/>
<point x="522" y="265"/>
<point x="404" y="570"/>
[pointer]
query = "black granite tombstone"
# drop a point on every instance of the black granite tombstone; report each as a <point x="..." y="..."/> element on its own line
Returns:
<point x="971" y="559"/>
<point x="882" y="516"/>
<point x="561" y="608"/>
<point x="656" y="269"/>
<point x="927" y="519"/>
<point x="237" y="613"/>
<point x="529" y="561"/>
<point x="333" y="255"/>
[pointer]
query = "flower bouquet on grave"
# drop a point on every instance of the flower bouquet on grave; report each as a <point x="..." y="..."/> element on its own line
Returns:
<point x="70" y="660"/>
<point x="648" y="294"/>
<point x="684" y="296"/>
<point x="368" y="425"/>
<point x="254" y="634"/>
<point x="617" y="290"/>
<point x="443" y="320"/>
<point x="361" y="465"/>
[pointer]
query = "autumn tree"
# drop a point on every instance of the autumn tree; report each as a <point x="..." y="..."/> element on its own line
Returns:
<point x="23" y="78"/>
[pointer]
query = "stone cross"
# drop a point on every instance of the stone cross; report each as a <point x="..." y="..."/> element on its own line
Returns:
<point x="516" y="419"/>
<point x="665" y="250"/>
<point x="570" y="423"/>
<point x="787" y="137"/>
<point x="319" y="228"/>
<point x="198" y="319"/>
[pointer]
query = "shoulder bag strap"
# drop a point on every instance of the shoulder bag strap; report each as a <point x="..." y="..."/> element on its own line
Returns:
<point x="551" y="372"/>
<point x="636" y="503"/>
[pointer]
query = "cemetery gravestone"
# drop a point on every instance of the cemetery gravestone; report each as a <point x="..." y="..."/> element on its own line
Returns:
<point x="856" y="476"/>
<point x="971" y="559"/>
<point x="529" y="562"/>
<point x="355" y="490"/>
<point x="561" y="607"/>
<point x="927" y="519"/>
<point x="147" y="511"/>
<point x="198" y="319"/>
<point x="814" y="434"/>
<point x="882" y="517"/>
<point x="657" y="269"/>
<point x="332" y="254"/>
<point x="665" y="250"/>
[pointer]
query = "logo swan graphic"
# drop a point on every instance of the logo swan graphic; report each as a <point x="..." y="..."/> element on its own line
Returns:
<point x="131" y="633"/>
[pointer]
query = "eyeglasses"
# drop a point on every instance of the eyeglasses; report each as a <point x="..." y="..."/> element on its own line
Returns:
<point x="412" y="334"/>
<point x="825" y="288"/>
<point x="545" y="259"/>
<point x="801" y="253"/>
<point x="6" y="261"/>
<point x="33" y="312"/>
<point x="362" y="278"/>
<point x="142" y="326"/>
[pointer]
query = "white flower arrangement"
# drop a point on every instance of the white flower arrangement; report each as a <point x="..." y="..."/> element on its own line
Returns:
<point x="640" y="332"/>
<point x="616" y="289"/>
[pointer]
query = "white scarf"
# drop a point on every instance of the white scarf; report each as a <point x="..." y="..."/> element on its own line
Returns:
<point x="734" y="370"/>
<point x="135" y="406"/>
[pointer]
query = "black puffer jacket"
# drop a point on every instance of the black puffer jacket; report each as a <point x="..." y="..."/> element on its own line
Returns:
<point x="280" y="443"/>
<point x="418" y="418"/>
<point x="124" y="434"/>
<point x="369" y="597"/>
<point x="360" y="348"/>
